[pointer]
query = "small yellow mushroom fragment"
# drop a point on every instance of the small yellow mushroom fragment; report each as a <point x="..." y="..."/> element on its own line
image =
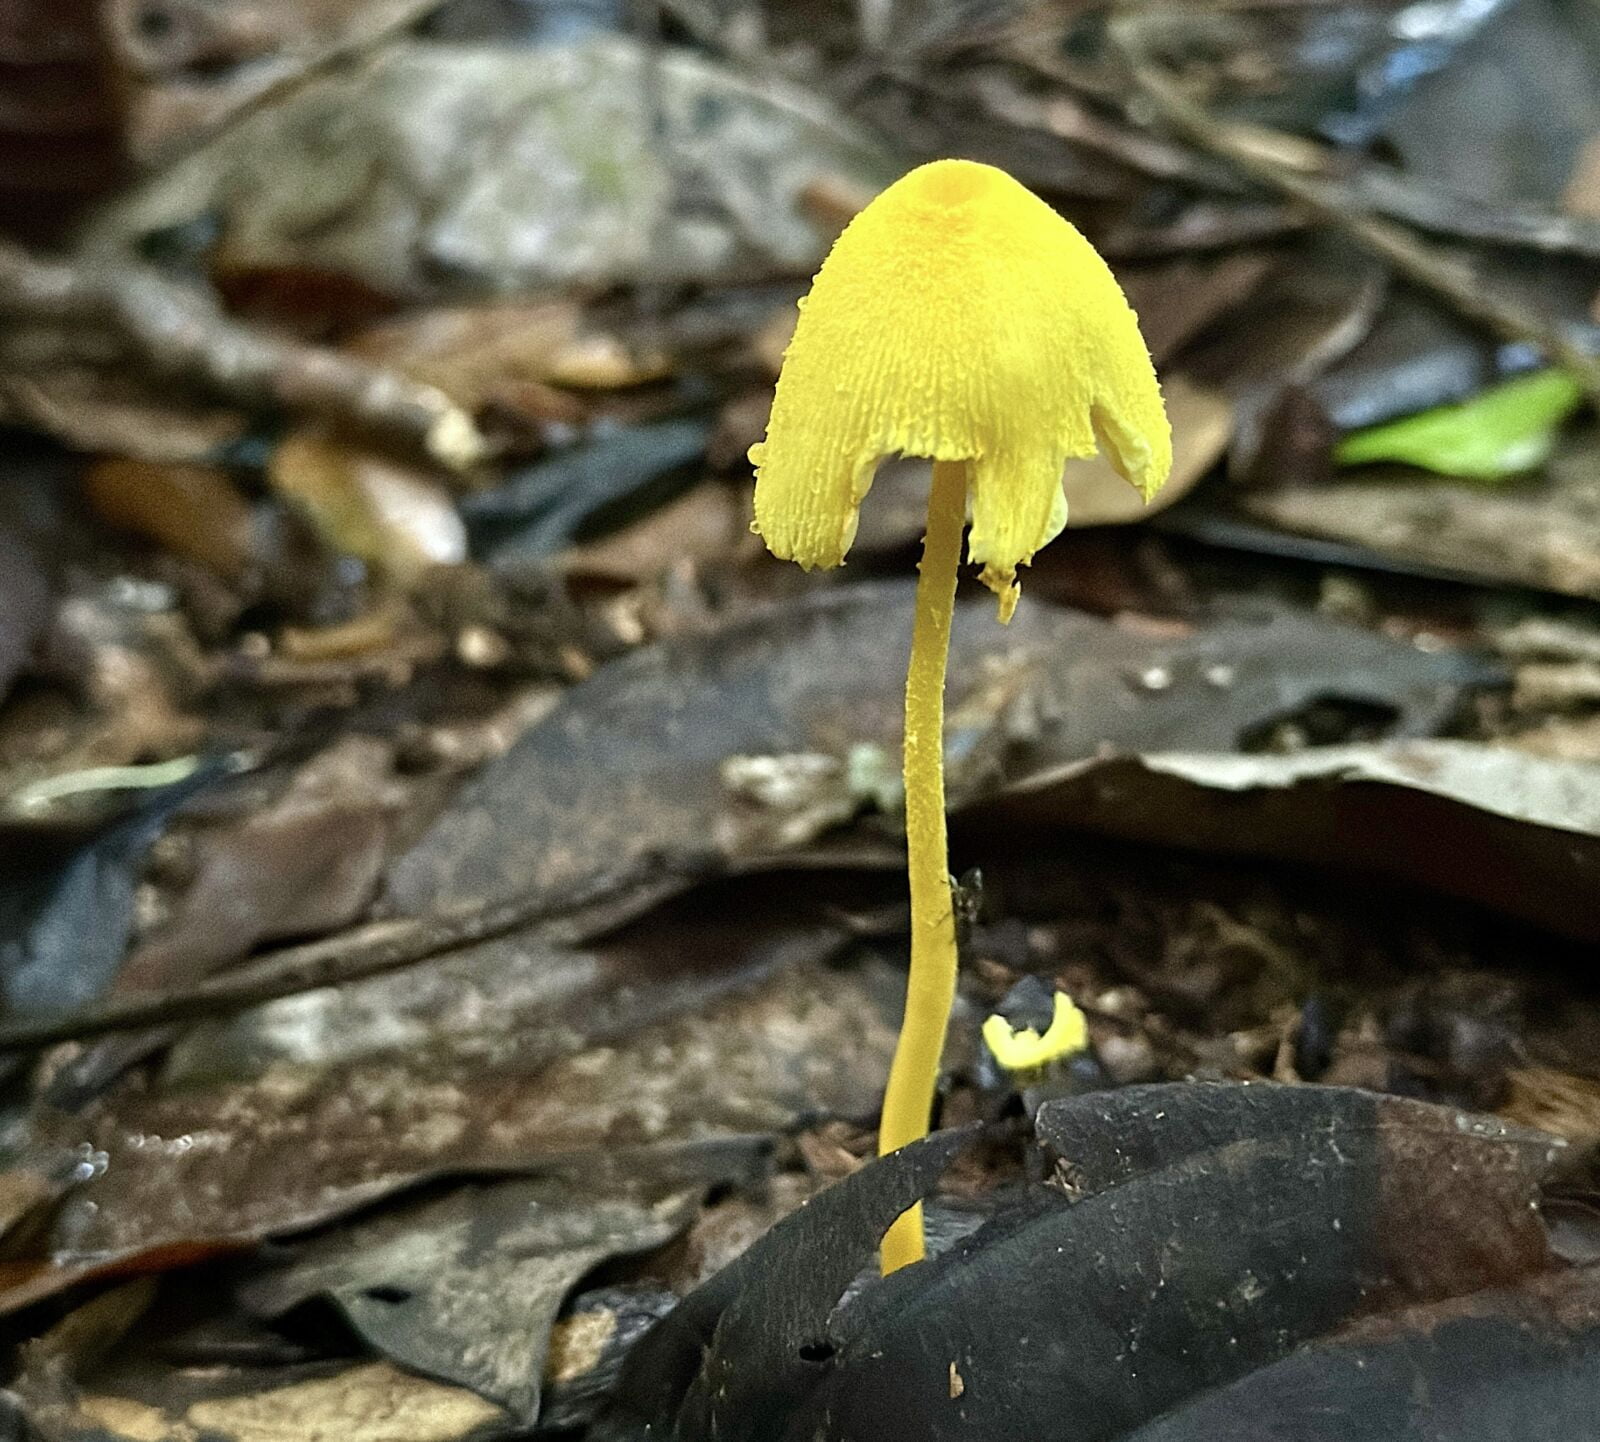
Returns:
<point x="957" y="317"/>
<point x="1027" y="1050"/>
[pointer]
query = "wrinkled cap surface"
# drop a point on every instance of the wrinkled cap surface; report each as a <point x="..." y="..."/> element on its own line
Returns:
<point x="957" y="317"/>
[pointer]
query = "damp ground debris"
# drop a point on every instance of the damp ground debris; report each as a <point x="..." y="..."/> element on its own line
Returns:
<point x="453" y="908"/>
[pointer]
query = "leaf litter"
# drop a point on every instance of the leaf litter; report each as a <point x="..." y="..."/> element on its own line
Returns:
<point x="1141" y="1231"/>
<point x="488" y="1039"/>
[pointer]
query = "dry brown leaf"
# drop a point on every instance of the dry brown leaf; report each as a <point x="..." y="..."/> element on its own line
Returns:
<point x="1543" y="532"/>
<point x="709" y="523"/>
<point x="398" y="518"/>
<point x="369" y="1402"/>
<point x="522" y="358"/>
<point x="302" y="862"/>
<point x="195" y="511"/>
<point x="1582" y="195"/>
<point x="93" y="410"/>
<point x="770" y="342"/>
<point x="1554" y="1101"/>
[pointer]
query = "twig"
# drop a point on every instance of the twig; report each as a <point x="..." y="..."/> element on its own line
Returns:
<point x="1409" y="199"/>
<point x="1454" y="281"/>
<point x="1428" y="207"/>
<point x="174" y="333"/>
<point x="592" y="907"/>
<point x="377" y="25"/>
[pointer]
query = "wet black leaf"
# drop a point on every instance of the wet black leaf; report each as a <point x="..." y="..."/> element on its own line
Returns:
<point x="755" y="1331"/>
<point x="581" y="492"/>
<point x="1191" y="1235"/>
<point x="1522" y="1363"/>
<point x="65" y="914"/>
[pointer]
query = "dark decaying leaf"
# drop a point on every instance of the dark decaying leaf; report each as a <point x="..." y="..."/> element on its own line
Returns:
<point x="1522" y="1363"/>
<point x="763" y="1318"/>
<point x="1475" y="137"/>
<point x="24" y="604"/>
<point x="526" y="1056"/>
<point x="1499" y="827"/>
<point x="1300" y="322"/>
<point x="535" y="996"/>
<point x="554" y="502"/>
<point x="1192" y="1235"/>
<point x="306" y="861"/>
<point x="1343" y="69"/>
<point x="298" y="853"/>
<point x="1436" y="1202"/>
<point x="65" y="913"/>
<point x="930" y="121"/>
<point x="1349" y="352"/>
<point x="1177" y="300"/>
<point x="1225" y="526"/>
<point x="630" y="763"/>
<point x="465" y="1288"/>
<point x="60" y="145"/>
<point x="1420" y="354"/>
<point x="1417" y="356"/>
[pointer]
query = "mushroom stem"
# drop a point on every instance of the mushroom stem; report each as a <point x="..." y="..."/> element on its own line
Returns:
<point x="931" y="987"/>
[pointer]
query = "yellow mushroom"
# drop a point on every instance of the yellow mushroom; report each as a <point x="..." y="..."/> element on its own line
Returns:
<point x="957" y="317"/>
<point x="1023" y="1050"/>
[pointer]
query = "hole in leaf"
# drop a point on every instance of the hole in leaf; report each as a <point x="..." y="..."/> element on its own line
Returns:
<point x="1325" y="721"/>
<point x="155" y="23"/>
<point x="394" y="1296"/>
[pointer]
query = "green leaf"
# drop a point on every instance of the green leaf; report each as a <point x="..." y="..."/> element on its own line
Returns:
<point x="1503" y="431"/>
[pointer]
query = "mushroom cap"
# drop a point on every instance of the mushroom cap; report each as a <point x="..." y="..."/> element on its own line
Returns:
<point x="957" y="317"/>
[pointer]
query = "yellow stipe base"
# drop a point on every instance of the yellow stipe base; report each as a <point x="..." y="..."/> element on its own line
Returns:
<point x="931" y="986"/>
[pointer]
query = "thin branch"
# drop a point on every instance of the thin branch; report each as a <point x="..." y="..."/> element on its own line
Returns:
<point x="1409" y="199"/>
<point x="1428" y="207"/>
<point x="1452" y="280"/>
<point x="376" y="26"/>
<point x="174" y="333"/>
